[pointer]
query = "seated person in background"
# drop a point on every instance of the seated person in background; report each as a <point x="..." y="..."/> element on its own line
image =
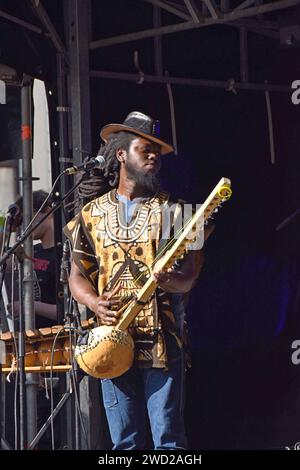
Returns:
<point x="45" y="290"/>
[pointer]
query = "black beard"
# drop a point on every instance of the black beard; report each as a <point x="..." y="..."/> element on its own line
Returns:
<point x="149" y="183"/>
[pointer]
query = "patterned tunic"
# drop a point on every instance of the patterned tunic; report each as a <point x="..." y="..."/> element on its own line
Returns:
<point x="110" y="252"/>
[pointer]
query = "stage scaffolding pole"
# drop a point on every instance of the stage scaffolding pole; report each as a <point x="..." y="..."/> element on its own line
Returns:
<point x="26" y="129"/>
<point x="77" y="25"/>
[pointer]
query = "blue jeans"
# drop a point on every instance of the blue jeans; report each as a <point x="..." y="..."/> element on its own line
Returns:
<point x="161" y="393"/>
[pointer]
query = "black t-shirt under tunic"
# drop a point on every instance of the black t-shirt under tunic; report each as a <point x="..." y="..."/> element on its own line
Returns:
<point x="45" y="280"/>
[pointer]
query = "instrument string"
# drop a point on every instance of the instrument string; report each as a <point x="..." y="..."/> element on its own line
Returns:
<point x="172" y="240"/>
<point x="158" y="256"/>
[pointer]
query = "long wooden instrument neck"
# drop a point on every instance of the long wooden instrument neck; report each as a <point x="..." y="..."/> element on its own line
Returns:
<point x="175" y="251"/>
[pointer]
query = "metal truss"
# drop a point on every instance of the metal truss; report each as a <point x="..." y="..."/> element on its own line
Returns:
<point x="204" y="13"/>
<point x="46" y="22"/>
<point x="229" y="85"/>
<point x="246" y="15"/>
<point x="249" y="14"/>
<point x="20" y="22"/>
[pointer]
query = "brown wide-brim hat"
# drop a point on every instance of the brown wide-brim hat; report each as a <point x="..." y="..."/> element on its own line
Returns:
<point x="139" y="124"/>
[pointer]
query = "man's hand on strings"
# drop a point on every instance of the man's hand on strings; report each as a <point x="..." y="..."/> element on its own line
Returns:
<point x="181" y="279"/>
<point x="106" y="306"/>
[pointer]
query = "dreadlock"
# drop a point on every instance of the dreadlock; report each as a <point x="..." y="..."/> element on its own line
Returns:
<point x="99" y="182"/>
<point x="116" y="141"/>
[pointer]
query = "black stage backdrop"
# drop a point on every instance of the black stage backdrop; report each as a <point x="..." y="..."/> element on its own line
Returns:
<point x="243" y="390"/>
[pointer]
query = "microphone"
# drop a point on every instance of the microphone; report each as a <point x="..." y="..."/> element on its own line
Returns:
<point x="98" y="162"/>
<point x="63" y="278"/>
<point x="12" y="210"/>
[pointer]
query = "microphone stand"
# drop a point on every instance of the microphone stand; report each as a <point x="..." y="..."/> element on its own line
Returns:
<point x="3" y="269"/>
<point x="72" y="320"/>
<point x="21" y="354"/>
<point x="77" y="324"/>
<point x="21" y="333"/>
<point x="28" y="232"/>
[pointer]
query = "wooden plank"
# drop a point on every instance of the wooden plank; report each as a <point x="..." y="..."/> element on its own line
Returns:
<point x="38" y="369"/>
